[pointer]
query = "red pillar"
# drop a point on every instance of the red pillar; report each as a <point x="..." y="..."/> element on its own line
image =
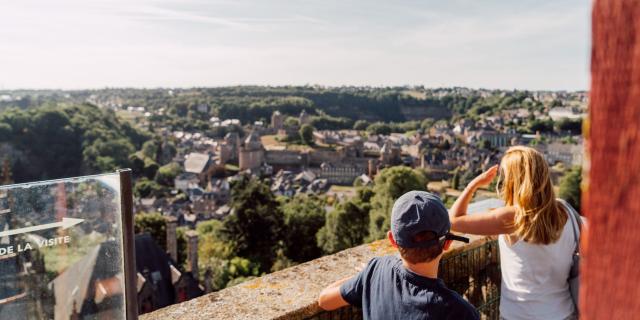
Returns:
<point x="610" y="286"/>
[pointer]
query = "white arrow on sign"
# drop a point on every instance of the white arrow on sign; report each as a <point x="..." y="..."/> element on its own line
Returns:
<point x="66" y="223"/>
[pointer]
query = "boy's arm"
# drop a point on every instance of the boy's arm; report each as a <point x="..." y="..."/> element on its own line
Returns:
<point x="330" y="298"/>
<point x="347" y="291"/>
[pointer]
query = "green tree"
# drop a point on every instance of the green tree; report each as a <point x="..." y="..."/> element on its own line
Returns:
<point x="556" y="103"/>
<point x="181" y="241"/>
<point x="346" y="226"/>
<point x="570" y="187"/>
<point x="147" y="188"/>
<point x="150" y="168"/>
<point x="574" y="126"/>
<point x="167" y="173"/>
<point x="303" y="217"/>
<point x="390" y="184"/>
<point x="326" y="122"/>
<point x="82" y="139"/>
<point x="484" y="144"/>
<point x="108" y="155"/>
<point x="291" y="122"/>
<point x="224" y="273"/>
<point x="136" y="161"/>
<point x="209" y="243"/>
<point x="379" y="128"/>
<point x="538" y="125"/>
<point x="254" y="229"/>
<point x="306" y="134"/>
<point x="281" y="261"/>
<point x="154" y="224"/>
<point x="455" y="180"/>
<point x="427" y="123"/>
<point x="150" y="149"/>
<point x="218" y="265"/>
<point x="361" y="125"/>
<point x="167" y="152"/>
<point x="5" y="132"/>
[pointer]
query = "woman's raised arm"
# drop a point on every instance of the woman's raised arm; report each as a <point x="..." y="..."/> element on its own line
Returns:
<point x="494" y="222"/>
<point x="459" y="208"/>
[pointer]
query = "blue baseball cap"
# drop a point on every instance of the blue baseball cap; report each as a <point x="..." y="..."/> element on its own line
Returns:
<point x="419" y="211"/>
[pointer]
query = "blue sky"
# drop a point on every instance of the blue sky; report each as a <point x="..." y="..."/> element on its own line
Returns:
<point x="506" y="44"/>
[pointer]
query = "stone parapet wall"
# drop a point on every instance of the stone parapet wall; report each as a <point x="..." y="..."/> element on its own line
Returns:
<point x="292" y="293"/>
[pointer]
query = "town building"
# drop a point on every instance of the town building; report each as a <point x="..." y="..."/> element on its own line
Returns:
<point x="199" y="164"/>
<point x="565" y="113"/>
<point x="160" y="282"/>
<point x="277" y="120"/>
<point x="251" y="153"/>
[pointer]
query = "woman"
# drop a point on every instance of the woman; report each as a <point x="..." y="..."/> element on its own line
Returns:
<point x="535" y="236"/>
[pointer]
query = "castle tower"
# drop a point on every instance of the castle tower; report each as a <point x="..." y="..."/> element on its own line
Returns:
<point x="389" y="154"/>
<point x="231" y="146"/>
<point x="251" y="153"/>
<point x="277" y="120"/>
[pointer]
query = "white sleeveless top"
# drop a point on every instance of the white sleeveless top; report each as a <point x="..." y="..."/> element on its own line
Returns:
<point x="534" y="278"/>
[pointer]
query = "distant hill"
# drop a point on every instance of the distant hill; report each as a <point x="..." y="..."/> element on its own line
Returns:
<point x="333" y="107"/>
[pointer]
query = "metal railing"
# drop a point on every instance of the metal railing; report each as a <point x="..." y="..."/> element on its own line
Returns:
<point x="473" y="272"/>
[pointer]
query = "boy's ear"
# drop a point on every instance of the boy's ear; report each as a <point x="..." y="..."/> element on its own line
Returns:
<point x="447" y="244"/>
<point x="391" y="239"/>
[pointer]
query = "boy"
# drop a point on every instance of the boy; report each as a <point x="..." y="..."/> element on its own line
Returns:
<point x="407" y="287"/>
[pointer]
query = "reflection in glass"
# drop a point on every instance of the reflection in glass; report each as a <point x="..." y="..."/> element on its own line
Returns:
<point x="61" y="250"/>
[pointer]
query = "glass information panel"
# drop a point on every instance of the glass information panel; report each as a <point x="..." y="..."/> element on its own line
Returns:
<point x="61" y="249"/>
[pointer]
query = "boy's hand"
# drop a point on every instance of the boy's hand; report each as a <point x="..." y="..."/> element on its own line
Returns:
<point x="485" y="178"/>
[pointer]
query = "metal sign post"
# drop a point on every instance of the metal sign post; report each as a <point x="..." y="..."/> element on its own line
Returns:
<point x="128" y="241"/>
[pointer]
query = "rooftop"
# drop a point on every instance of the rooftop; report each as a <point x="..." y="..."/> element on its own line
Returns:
<point x="196" y="162"/>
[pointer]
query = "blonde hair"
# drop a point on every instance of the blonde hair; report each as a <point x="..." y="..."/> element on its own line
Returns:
<point x="525" y="184"/>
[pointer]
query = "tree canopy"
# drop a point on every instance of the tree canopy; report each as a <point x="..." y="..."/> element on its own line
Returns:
<point x="347" y="225"/>
<point x="82" y="139"/>
<point x="570" y="187"/>
<point x="254" y="229"/>
<point x="304" y="215"/>
<point x="306" y="134"/>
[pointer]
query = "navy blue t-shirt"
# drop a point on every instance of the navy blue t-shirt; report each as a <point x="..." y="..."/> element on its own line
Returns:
<point x="385" y="289"/>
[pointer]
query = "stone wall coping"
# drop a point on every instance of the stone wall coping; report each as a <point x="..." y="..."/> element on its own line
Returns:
<point x="290" y="293"/>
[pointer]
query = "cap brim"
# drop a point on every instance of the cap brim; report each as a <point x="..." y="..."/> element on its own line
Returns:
<point x="450" y="236"/>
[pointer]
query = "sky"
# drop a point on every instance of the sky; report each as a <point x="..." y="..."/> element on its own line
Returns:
<point x="498" y="44"/>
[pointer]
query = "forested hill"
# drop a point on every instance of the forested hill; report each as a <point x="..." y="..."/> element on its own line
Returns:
<point x="355" y="104"/>
<point x="341" y="106"/>
<point x="333" y="107"/>
<point x="65" y="141"/>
